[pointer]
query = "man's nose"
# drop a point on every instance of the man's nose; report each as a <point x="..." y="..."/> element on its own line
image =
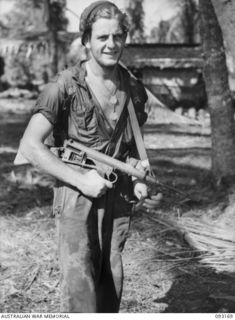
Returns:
<point x="111" y="43"/>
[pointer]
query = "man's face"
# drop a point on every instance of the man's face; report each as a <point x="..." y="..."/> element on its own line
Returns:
<point x="106" y="42"/>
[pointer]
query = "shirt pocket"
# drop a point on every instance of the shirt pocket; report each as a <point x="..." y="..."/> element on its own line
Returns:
<point x="78" y="112"/>
<point x="84" y="114"/>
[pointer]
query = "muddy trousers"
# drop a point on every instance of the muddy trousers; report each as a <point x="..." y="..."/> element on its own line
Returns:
<point x="91" y="237"/>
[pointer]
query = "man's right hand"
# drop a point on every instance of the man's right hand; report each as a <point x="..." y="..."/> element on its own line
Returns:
<point x="94" y="185"/>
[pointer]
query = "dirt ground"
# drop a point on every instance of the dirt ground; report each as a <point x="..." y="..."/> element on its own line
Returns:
<point x="163" y="274"/>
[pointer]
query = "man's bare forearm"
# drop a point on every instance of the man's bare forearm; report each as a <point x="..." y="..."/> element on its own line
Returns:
<point x="42" y="158"/>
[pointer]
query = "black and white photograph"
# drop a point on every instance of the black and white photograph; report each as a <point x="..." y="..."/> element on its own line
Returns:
<point x="117" y="158"/>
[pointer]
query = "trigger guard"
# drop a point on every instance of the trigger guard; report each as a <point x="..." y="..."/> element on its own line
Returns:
<point x="112" y="177"/>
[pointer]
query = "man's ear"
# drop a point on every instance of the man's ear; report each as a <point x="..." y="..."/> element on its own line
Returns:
<point x="87" y="45"/>
<point x="86" y="42"/>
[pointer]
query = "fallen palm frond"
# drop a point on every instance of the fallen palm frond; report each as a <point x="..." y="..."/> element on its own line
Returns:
<point x="211" y="235"/>
<point x="216" y="242"/>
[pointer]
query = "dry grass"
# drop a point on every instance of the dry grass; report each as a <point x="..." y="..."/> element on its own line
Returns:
<point x="145" y="282"/>
<point x="29" y="276"/>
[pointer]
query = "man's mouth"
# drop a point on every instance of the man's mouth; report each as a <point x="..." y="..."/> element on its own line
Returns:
<point x="111" y="53"/>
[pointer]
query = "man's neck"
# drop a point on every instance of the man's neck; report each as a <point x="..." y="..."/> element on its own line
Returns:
<point x="103" y="73"/>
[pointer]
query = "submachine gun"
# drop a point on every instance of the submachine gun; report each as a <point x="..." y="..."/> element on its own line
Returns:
<point x="76" y="153"/>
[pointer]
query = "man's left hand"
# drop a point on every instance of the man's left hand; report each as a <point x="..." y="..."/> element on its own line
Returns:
<point x="140" y="190"/>
<point x="146" y="201"/>
<point x="152" y="203"/>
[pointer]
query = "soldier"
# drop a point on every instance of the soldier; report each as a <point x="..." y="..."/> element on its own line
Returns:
<point x="88" y="103"/>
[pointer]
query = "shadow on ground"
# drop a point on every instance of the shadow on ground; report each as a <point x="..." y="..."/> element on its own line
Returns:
<point x="204" y="291"/>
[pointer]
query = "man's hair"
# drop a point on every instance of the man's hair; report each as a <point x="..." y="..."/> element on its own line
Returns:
<point x="105" y="10"/>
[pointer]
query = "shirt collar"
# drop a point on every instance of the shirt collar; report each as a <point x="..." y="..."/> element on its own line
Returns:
<point x="79" y="73"/>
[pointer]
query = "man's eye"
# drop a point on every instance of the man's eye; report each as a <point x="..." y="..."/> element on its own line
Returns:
<point x="103" y="38"/>
<point x="118" y="37"/>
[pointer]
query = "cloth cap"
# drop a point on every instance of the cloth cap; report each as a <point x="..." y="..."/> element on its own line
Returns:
<point x="91" y="9"/>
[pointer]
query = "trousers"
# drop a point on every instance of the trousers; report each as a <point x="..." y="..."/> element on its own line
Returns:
<point x="91" y="237"/>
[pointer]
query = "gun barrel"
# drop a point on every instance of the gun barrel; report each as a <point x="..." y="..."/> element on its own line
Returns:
<point x="154" y="181"/>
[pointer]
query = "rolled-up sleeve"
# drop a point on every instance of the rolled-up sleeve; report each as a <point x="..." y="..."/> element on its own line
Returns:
<point x="49" y="102"/>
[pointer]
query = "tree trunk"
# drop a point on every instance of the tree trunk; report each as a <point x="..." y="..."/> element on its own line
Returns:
<point x="54" y="51"/>
<point x="190" y="12"/>
<point x="225" y="11"/>
<point x="218" y="93"/>
<point x="52" y="32"/>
